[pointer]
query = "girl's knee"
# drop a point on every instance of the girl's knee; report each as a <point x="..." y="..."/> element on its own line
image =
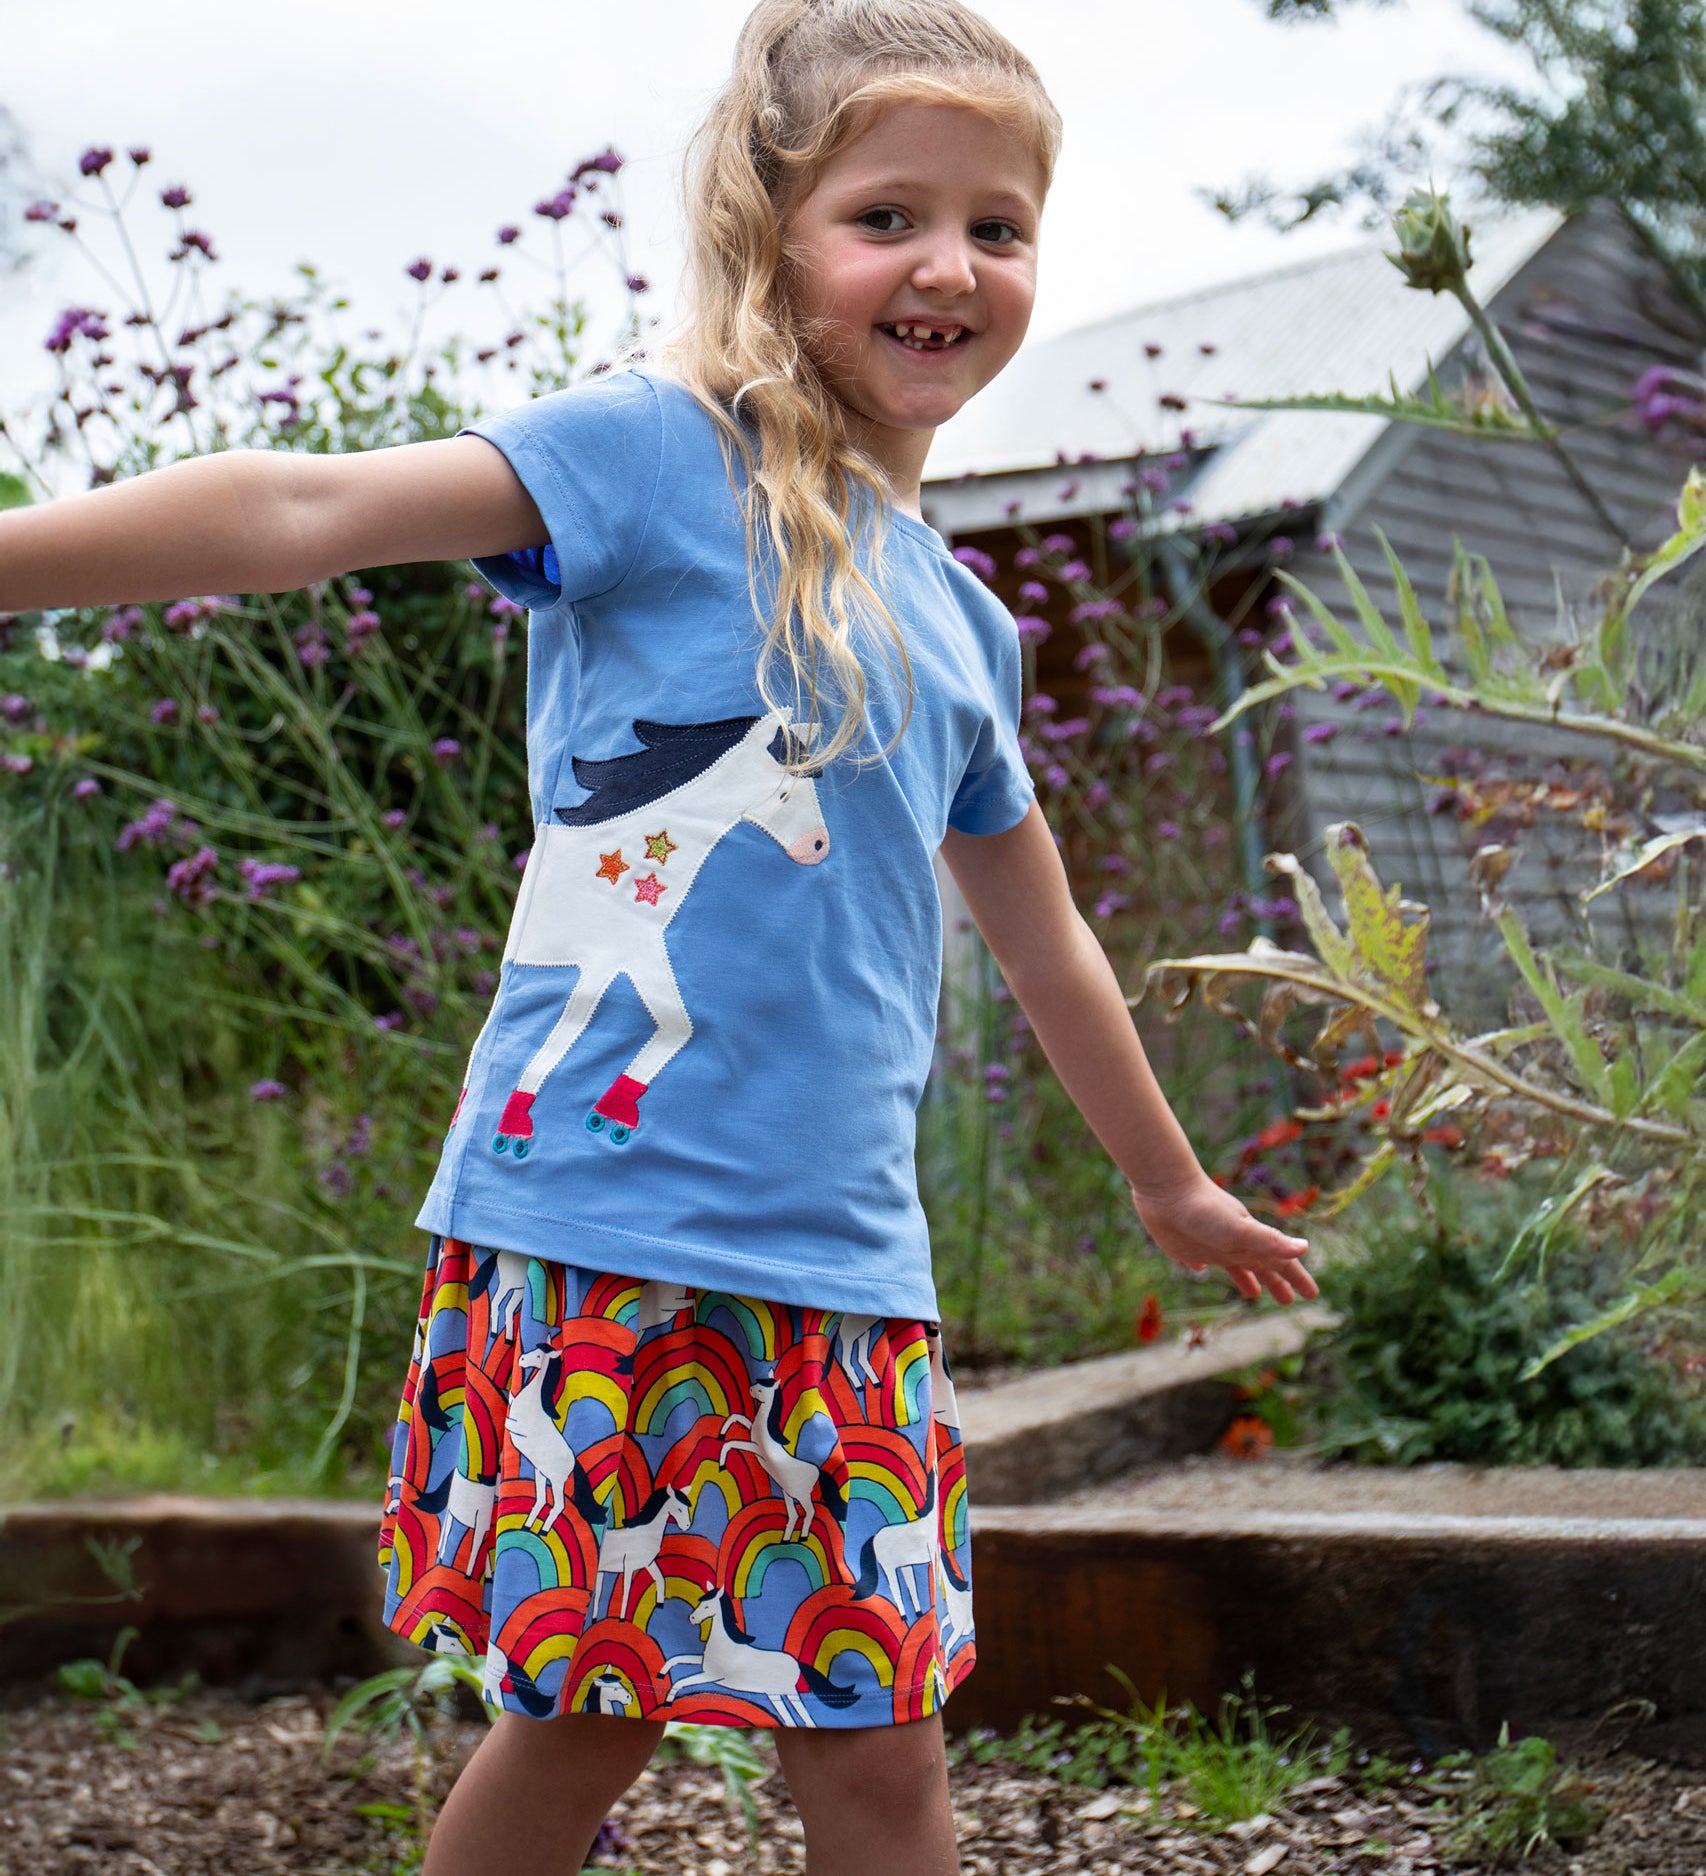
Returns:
<point x="880" y="1770"/>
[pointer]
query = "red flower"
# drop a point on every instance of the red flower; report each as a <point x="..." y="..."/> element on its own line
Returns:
<point x="1364" y="1065"/>
<point x="1295" y="1202"/>
<point x="1447" y="1135"/>
<point x="1248" y="1437"/>
<point x="1148" y="1324"/>
<point x="1380" y="1109"/>
<point x="1281" y="1133"/>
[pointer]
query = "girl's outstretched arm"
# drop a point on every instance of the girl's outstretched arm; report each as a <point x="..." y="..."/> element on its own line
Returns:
<point x="1016" y="889"/>
<point x="260" y="521"/>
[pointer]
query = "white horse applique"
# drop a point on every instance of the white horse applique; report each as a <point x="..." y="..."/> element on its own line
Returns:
<point x="605" y="879"/>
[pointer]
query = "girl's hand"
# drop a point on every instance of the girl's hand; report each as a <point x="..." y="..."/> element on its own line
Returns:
<point x="1201" y="1224"/>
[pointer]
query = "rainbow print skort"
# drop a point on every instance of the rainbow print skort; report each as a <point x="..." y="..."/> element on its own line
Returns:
<point x="677" y="1504"/>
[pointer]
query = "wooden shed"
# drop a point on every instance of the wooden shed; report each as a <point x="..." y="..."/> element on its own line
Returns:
<point x="1587" y="305"/>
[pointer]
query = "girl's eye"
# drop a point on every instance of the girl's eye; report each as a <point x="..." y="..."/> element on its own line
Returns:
<point x="1004" y="233"/>
<point x="873" y="215"/>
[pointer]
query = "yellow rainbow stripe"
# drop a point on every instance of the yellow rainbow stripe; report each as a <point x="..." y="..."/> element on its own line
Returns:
<point x="690" y="1381"/>
<point x="474" y="1454"/>
<point x="839" y="1640"/>
<point x="709" y="1473"/>
<point x="403" y="1561"/>
<point x="911" y="1385"/>
<point x="589" y="1384"/>
<point x="878" y="1484"/>
<point x="766" y="1547"/>
<point x="757" y="1321"/>
<point x="954" y="1514"/>
<point x="935" y="1689"/>
<point x="552" y="1648"/>
<point x="450" y="1296"/>
<point x="549" y="1553"/>
<point x="421" y="1633"/>
<point x="809" y="1404"/>
<point x="624" y="1306"/>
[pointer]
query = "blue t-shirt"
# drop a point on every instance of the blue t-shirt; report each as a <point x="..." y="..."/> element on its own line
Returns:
<point x="718" y="1000"/>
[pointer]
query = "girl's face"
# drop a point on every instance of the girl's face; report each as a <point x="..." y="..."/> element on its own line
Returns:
<point x="929" y="219"/>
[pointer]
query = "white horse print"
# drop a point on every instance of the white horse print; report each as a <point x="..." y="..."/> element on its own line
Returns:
<point x="733" y="1660"/>
<point x="794" y="1475"/>
<point x="630" y="1548"/>
<point x="897" y="1548"/>
<point x="853" y="1347"/>
<point x="607" y="877"/>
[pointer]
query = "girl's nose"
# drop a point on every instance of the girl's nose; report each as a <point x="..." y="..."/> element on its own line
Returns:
<point x="946" y="267"/>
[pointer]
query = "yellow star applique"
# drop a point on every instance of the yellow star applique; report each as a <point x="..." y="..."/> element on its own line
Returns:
<point x="613" y="868"/>
<point x="659" y="847"/>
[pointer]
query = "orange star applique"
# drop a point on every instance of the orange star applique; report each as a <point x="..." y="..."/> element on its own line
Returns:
<point x="651" y="889"/>
<point x="659" y="847"/>
<point x="614" y="867"/>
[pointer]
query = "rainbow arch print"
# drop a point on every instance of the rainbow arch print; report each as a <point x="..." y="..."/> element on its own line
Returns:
<point x="615" y="1648"/>
<point x="754" y="1541"/>
<point x="884" y="1468"/>
<point x="830" y="1621"/>
<point x="910" y="1380"/>
<point x="687" y="1364"/>
<point x="755" y="1319"/>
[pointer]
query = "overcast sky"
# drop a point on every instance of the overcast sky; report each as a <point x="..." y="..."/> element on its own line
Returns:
<point x="363" y="133"/>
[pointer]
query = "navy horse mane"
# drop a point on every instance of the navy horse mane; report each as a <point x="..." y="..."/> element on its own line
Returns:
<point x="673" y="753"/>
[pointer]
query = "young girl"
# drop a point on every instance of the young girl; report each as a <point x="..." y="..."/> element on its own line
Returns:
<point x="678" y="1440"/>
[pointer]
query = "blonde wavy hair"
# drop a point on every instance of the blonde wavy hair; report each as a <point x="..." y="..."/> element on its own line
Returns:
<point x="810" y="77"/>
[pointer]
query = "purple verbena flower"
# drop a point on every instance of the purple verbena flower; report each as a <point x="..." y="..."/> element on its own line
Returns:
<point x="164" y="711"/>
<point x="86" y="788"/>
<point x="176" y="197"/>
<point x="446" y="750"/>
<point x="1032" y="630"/>
<point x="16" y="764"/>
<point x="192" y="879"/>
<point x="1320" y="732"/>
<point x="262" y="875"/>
<point x="94" y="160"/>
<point x="392" y="1019"/>
<point x="419" y="270"/>
<point x="393" y="818"/>
<point x="268" y="1091"/>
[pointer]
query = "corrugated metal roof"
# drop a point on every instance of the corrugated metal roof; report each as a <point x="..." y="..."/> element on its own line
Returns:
<point x="1343" y="322"/>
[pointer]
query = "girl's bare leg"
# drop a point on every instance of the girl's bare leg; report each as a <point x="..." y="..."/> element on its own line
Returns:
<point x="872" y="1798"/>
<point x="535" y="1792"/>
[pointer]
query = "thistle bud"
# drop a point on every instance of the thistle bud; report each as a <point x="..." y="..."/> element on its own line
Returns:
<point x="1433" y="247"/>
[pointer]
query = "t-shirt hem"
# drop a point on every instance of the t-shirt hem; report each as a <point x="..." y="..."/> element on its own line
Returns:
<point x="581" y="1242"/>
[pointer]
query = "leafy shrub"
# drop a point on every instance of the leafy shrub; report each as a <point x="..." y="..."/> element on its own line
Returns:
<point x="1427" y="1363"/>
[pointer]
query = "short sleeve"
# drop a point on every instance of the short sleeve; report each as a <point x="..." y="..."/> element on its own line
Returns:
<point x="996" y="791"/>
<point x="591" y="458"/>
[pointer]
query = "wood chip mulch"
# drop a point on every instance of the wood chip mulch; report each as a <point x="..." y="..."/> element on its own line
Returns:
<point x="209" y="1784"/>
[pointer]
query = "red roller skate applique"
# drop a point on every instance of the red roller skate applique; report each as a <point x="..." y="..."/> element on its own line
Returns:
<point x="617" y="1110"/>
<point x="700" y="779"/>
<point x="515" y="1128"/>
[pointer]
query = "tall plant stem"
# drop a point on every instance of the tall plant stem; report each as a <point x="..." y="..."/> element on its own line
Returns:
<point x="1504" y="362"/>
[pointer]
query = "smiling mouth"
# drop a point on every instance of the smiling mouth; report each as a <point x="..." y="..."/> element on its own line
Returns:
<point x="918" y="337"/>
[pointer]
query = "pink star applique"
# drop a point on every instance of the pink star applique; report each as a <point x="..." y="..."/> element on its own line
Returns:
<point x="651" y="889"/>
